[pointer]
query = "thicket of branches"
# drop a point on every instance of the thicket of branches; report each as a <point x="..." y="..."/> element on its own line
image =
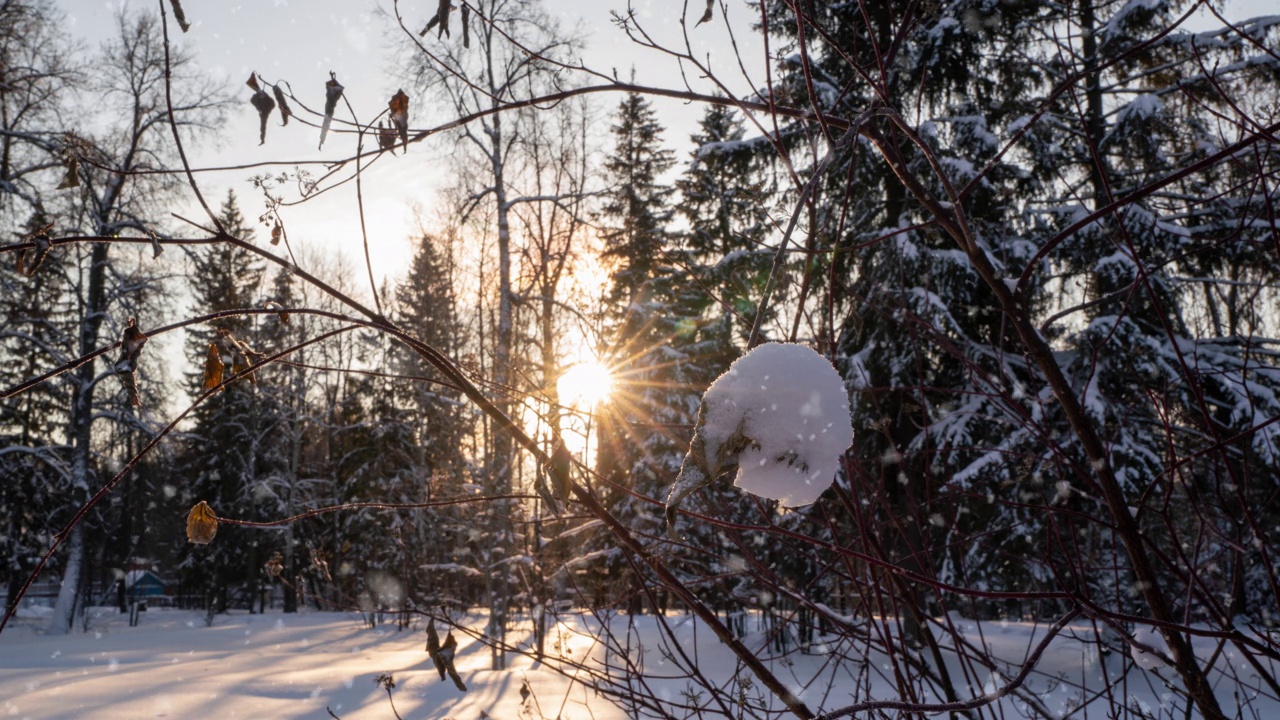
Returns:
<point x="1039" y="242"/>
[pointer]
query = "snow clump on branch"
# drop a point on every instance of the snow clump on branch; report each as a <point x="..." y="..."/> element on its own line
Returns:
<point x="781" y="415"/>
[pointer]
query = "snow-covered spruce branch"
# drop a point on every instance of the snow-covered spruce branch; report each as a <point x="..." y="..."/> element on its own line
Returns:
<point x="1114" y="206"/>
<point x="952" y="220"/>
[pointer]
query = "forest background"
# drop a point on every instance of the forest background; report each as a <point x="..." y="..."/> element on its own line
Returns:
<point x="1038" y="242"/>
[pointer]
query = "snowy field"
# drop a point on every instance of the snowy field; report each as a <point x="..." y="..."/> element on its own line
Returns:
<point x="294" y="666"/>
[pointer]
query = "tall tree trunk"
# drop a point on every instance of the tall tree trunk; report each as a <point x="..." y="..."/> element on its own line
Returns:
<point x="81" y="426"/>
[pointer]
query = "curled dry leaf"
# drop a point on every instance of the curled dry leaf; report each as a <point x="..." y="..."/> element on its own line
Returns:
<point x="252" y="82"/>
<point x="71" y="179"/>
<point x="213" y="368"/>
<point x="466" y="26"/>
<point x="386" y="137"/>
<point x="180" y="16"/>
<point x="561" y="464"/>
<point x="156" y="248"/>
<point x="332" y="94"/>
<point x="441" y="18"/>
<point x="202" y="524"/>
<point x="130" y="381"/>
<point x="280" y="313"/>
<point x="285" y="112"/>
<point x="31" y="260"/>
<point x="243" y="357"/>
<point x="399" y="106"/>
<point x="131" y="341"/>
<point x="275" y="566"/>
<point x="263" y="103"/>
<point x="240" y="364"/>
<point x="321" y="564"/>
<point x="706" y="16"/>
<point x="277" y="232"/>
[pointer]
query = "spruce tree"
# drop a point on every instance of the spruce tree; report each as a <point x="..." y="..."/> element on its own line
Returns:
<point x="722" y="198"/>
<point x="987" y="481"/>
<point x="431" y="413"/>
<point x="231" y="453"/>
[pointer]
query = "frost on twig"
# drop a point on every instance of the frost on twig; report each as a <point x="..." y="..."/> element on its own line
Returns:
<point x="780" y="414"/>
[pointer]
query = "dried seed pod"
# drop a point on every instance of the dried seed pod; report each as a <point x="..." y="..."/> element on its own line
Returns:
<point x="202" y="524"/>
<point x="466" y="25"/>
<point x="332" y="94"/>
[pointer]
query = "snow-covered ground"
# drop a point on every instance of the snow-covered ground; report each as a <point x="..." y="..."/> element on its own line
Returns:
<point x="294" y="666"/>
<point x="252" y="666"/>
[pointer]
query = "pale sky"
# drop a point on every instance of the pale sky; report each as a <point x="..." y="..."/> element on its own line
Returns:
<point x="301" y="41"/>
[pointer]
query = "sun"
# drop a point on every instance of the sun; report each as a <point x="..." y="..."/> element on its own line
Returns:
<point x="585" y="385"/>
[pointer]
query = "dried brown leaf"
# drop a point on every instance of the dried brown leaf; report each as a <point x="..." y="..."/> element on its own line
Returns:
<point x="399" y="106"/>
<point x="275" y="566"/>
<point x="320" y="564"/>
<point x="441" y="18"/>
<point x="280" y="313"/>
<point x="213" y="368"/>
<point x="30" y="260"/>
<point x="202" y="524"/>
<point x="71" y="179"/>
<point x="386" y="137"/>
<point x="131" y="341"/>
<point x="263" y="103"/>
<point x="706" y="16"/>
<point x="180" y="16"/>
<point x="332" y="94"/>
<point x="130" y="381"/>
<point x="285" y="112"/>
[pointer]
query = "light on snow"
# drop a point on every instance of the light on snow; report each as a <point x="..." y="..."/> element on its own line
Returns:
<point x="781" y="413"/>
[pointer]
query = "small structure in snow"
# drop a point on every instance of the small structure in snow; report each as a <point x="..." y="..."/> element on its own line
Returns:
<point x="781" y="415"/>
<point x="143" y="584"/>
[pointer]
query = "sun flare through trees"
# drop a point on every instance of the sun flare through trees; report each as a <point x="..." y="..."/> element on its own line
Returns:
<point x="733" y="359"/>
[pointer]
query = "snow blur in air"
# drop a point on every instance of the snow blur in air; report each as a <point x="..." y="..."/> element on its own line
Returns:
<point x="792" y="403"/>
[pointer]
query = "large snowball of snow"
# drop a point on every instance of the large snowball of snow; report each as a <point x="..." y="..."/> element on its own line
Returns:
<point x="791" y="409"/>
